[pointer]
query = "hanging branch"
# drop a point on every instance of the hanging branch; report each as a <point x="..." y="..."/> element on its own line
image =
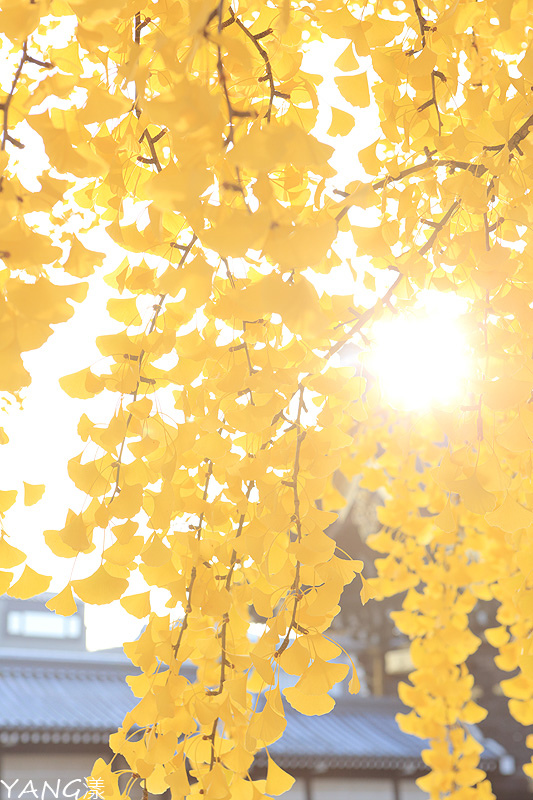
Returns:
<point x="224" y="662"/>
<point x="138" y="27"/>
<point x="438" y="227"/>
<point x="363" y="319"/>
<point x="151" y="140"/>
<point x="222" y="76"/>
<point x="227" y="585"/>
<point x="157" y="310"/>
<point x="516" y="138"/>
<point x="243" y="345"/>
<point x="422" y="22"/>
<point x="254" y="38"/>
<point x="433" y="101"/>
<point x="6" y="136"/>
<point x="476" y="169"/>
<point x="188" y="608"/>
<point x="295" y="589"/>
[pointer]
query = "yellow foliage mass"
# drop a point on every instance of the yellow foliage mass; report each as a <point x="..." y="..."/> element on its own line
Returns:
<point x="186" y="129"/>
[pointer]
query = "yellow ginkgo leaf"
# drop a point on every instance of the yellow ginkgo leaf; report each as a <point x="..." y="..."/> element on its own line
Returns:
<point x="278" y="781"/>
<point x="510" y="516"/>
<point x="10" y="556"/>
<point x="63" y="603"/>
<point x="101" y="106"/>
<point x="100" y="588"/>
<point x="81" y="261"/>
<point x="88" y="477"/>
<point x="123" y="309"/>
<point x="341" y="122"/>
<point x="354" y="89"/>
<point x="76" y="384"/>
<point x="57" y="545"/>
<point x="267" y="726"/>
<point x="7" y="498"/>
<point x="367" y="591"/>
<point x="5" y="580"/>
<point x="310" y="705"/>
<point x="125" y="531"/>
<point x="321" y="676"/>
<point x="123" y="554"/>
<point x="473" y="495"/>
<point x="178" y="781"/>
<point x="29" y="584"/>
<point x="497" y="636"/>
<point x="138" y="605"/>
<point x="140" y="408"/>
<point x="472" y="713"/>
<point x="347" y="61"/>
<point x="446" y="520"/>
<point x="33" y="493"/>
<point x="354" y="685"/>
<point x="76" y="533"/>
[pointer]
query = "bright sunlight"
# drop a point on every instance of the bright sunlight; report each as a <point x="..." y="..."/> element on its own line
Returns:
<point x="420" y="357"/>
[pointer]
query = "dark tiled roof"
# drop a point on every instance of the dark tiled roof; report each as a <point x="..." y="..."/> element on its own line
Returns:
<point x="63" y="692"/>
<point x="362" y="730"/>
<point x="63" y="698"/>
<point x="360" y="733"/>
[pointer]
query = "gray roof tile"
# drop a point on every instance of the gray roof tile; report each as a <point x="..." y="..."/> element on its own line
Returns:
<point x="70" y="695"/>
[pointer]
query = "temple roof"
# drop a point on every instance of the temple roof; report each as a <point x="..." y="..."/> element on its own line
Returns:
<point x="78" y="698"/>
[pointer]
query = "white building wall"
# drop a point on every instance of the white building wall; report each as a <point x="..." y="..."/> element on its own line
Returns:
<point x="410" y="791"/>
<point x="297" y="792"/>
<point x="352" y="789"/>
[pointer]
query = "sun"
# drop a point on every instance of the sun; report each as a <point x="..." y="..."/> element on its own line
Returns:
<point x="421" y="358"/>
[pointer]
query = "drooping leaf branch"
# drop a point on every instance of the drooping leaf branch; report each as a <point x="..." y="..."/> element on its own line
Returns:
<point x="6" y="137"/>
<point x="296" y="591"/>
<point x="142" y="379"/>
<point x="255" y="39"/>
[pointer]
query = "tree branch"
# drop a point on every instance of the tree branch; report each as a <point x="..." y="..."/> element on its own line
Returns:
<point x="254" y="38"/>
<point x="439" y="226"/>
<point x="6" y="136"/>
<point x="364" y="318"/>
<point x="140" y="379"/>
<point x="421" y="22"/>
<point x="295" y="589"/>
<point x="433" y="102"/>
<point x="151" y="140"/>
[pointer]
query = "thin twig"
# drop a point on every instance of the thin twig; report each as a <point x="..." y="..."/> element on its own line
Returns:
<point x="222" y="75"/>
<point x="227" y="586"/>
<point x="363" y="318"/>
<point x="154" y="158"/>
<point x="439" y="226"/>
<point x="421" y="22"/>
<point x="487" y="230"/>
<point x="433" y="102"/>
<point x="157" y="310"/>
<point x="188" y="590"/>
<point x="6" y="136"/>
<point x="295" y="589"/>
<point x="254" y="38"/>
<point x="9" y="98"/>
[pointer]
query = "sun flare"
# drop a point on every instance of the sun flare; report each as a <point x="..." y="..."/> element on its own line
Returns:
<point x="421" y="358"/>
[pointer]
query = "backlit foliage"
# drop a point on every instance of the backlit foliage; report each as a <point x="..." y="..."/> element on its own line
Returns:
<point x="185" y="129"/>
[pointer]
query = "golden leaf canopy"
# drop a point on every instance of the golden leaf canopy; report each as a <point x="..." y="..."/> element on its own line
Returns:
<point x="184" y="134"/>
